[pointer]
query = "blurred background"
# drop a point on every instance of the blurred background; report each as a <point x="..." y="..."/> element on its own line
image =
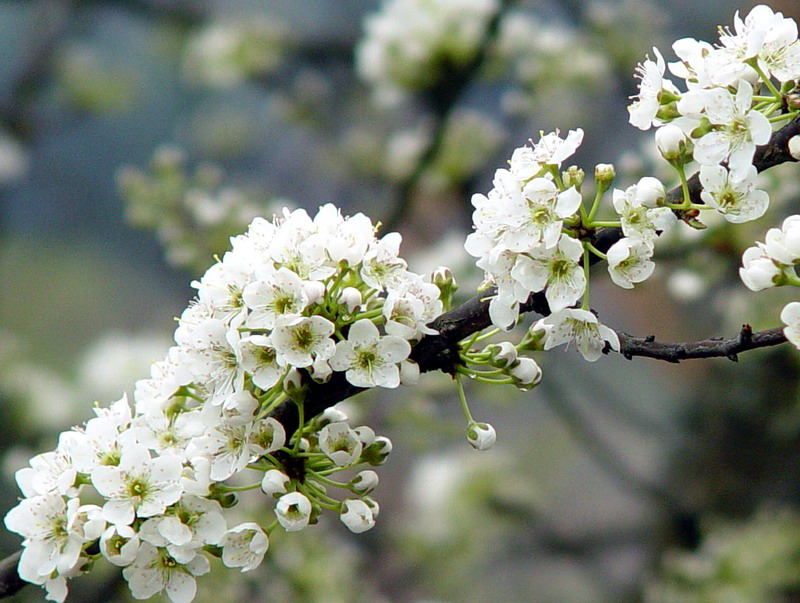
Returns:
<point x="136" y="136"/>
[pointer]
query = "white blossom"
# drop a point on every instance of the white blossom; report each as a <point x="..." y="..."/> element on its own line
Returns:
<point x="559" y="270"/>
<point x="244" y="546"/>
<point x="357" y="515"/>
<point x="139" y="486"/>
<point x="293" y="511"/>
<point x="579" y="325"/>
<point x="299" y="341"/>
<point x="759" y="271"/>
<point x="54" y="535"/>
<point x="642" y="111"/>
<point x="638" y="220"/>
<point x="738" y="128"/>
<point x="340" y="443"/>
<point x="274" y="482"/>
<point x="369" y="359"/>
<point x="629" y="262"/>
<point x="276" y="293"/>
<point x="733" y="194"/>
<point x="154" y="570"/>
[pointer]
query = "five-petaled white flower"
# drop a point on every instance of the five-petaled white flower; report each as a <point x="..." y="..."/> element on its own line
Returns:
<point x="340" y="443"/>
<point x="301" y="340"/>
<point x="244" y="546"/>
<point x="370" y="359"/>
<point x="527" y="162"/>
<point x="140" y="486"/>
<point x="154" y="570"/>
<point x="733" y="194"/>
<point x="579" y="325"/>
<point x="629" y="262"/>
<point x="559" y="270"/>
<point x="738" y="129"/>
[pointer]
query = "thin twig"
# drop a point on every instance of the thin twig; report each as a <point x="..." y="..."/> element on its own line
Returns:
<point x="714" y="347"/>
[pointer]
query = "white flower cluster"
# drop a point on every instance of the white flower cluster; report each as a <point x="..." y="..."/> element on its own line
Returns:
<point x="772" y="264"/>
<point x="720" y="118"/>
<point x="297" y="293"/>
<point x="409" y="42"/>
<point x="525" y="243"/>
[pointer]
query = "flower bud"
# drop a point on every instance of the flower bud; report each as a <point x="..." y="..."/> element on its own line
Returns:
<point x="443" y="278"/>
<point x="526" y="373"/>
<point x="331" y="415"/>
<point x="573" y="176"/>
<point x="376" y="453"/>
<point x="350" y="297"/>
<point x="365" y="482"/>
<point x="320" y="371"/>
<point x="503" y="354"/>
<point x="315" y="291"/>
<point x="293" y="511"/>
<point x="481" y="436"/>
<point x="274" y="482"/>
<point x="604" y="173"/>
<point x="759" y="271"/>
<point x="650" y="191"/>
<point x="671" y="142"/>
<point x="365" y="434"/>
<point x="356" y="515"/>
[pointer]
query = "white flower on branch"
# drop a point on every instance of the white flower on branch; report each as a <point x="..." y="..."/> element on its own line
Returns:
<point x="642" y="111"/>
<point x="733" y="194"/>
<point x="629" y="262"/>
<point x="559" y="270"/>
<point x="357" y="515"/>
<point x="369" y="359"/>
<point x="140" y="486"/>
<point x="155" y="570"/>
<point x="244" y="546"/>
<point x="738" y="128"/>
<point x="340" y="443"/>
<point x="581" y="326"/>
<point x="293" y="511"/>
<point x="551" y="149"/>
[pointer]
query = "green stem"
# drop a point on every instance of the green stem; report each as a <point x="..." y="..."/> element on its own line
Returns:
<point x="238" y="488"/>
<point x="770" y="86"/>
<point x="687" y="198"/>
<point x="594" y="250"/>
<point x="586" y="264"/>
<point x="463" y="398"/>
<point x="300" y="423"/>
<point x="589" y="222"/>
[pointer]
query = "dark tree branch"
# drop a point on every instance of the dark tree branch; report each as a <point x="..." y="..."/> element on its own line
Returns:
<point x="715" y="347"/>
<point x="10" y="582"/>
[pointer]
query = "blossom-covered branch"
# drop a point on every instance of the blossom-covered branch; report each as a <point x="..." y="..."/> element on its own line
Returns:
<point x="305" y="311"/>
